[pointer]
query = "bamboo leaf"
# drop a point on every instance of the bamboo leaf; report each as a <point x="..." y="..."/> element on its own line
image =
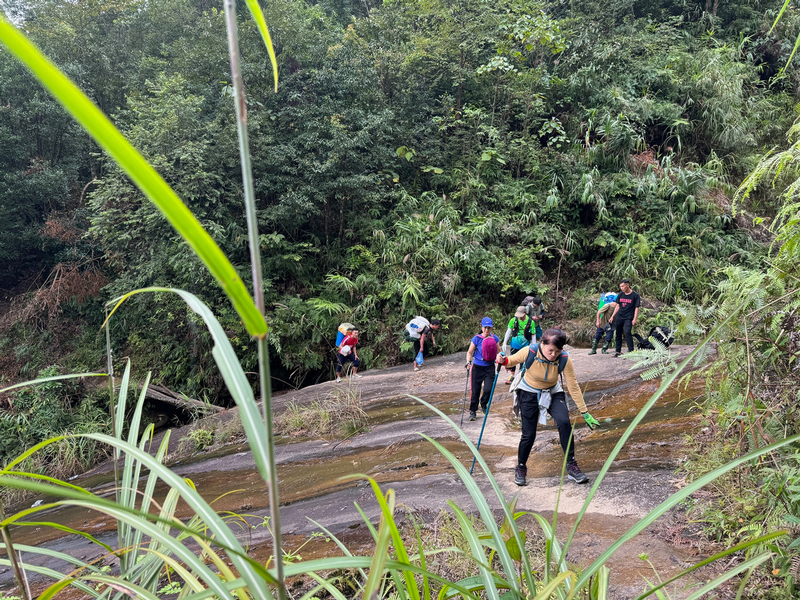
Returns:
<point x="53" y="378"/>
<point x="258" y="17"/>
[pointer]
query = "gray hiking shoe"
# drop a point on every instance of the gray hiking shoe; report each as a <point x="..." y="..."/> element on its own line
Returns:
<point x="520" y="473"/>
<point x="574" y="472"/>
<point x="472" y="415"/>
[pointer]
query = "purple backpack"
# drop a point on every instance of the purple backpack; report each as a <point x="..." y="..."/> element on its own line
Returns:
<point x="489" y="349"/>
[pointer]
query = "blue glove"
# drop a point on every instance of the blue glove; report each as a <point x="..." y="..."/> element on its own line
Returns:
<point x="419" y="360"/>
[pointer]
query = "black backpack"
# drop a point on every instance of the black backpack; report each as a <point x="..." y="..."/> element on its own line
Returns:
<point x="527" y="333"/>
<point x="660" y="333"/>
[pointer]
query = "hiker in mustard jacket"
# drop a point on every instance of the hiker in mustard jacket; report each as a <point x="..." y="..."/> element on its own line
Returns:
<point x="540" y="388"/>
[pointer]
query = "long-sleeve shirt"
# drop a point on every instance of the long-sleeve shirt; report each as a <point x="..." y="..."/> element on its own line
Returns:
<point x="606" y="312"/>
<point x="542" y="376"/>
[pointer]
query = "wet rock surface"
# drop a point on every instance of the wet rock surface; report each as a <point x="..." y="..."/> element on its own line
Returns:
<point x="315" y="487"/>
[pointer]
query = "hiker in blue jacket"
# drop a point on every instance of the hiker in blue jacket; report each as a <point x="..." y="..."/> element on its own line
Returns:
<point x="484" y="348"/>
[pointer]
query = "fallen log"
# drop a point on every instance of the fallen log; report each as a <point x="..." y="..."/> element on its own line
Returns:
<point x="164" y="394"/>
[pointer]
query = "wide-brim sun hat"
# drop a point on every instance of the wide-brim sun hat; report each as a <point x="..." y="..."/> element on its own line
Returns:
<point x="487" y="322"/>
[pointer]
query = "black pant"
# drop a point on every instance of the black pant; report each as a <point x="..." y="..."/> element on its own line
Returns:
<point x="481" y="376"/>
<point x="624" y="327"/>
<point x="599" y="334"/>
<point x="529" y="412"/>
<point x="343" y="359"/>
<point x="426" y="352"/>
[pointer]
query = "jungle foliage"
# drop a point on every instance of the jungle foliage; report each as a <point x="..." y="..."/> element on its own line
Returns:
<point x="442" y="158"/>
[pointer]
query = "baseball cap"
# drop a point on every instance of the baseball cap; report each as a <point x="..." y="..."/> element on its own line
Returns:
<point x="487" y="322"/>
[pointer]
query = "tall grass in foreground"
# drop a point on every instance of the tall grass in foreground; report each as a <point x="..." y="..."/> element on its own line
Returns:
<point x="203" y="556"/>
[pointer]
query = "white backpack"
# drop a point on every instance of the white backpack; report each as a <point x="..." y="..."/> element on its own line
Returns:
<point x="415" y="326"/>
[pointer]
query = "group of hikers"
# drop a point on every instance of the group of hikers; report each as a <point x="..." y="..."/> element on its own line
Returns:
<point x="543" y="365"/>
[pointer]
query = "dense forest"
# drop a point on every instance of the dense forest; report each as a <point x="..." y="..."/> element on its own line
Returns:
<point x="443" y="158"/>
<point x="436" y="158"/>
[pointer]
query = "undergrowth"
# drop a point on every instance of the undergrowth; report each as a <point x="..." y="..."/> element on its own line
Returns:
<point x="339" y="414"/>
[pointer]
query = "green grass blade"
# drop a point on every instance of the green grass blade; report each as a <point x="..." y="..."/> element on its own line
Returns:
<point x="122" y="400"/>
<point x="253" y="573"/>
<point x="323" y="585"/>
<point x="130" y="588"/>
<point x="378" y="562"/>
<point x="59" y="577"/>
<point x="397" y="540"/>
<point x="201" y="508"/>
<point x="550" y="536"/>
<point x="475" y="583"/>
<point x="600" y="584"/>
<point x="141" y="173"/>
<point x="47" y="478"/>
<point x="715" y="583"/>
<point x="780" y="14"/>
<point x="426" y="587"/>
<point x="338" y="542"/>
<point x="478" y="553"/>
<point x="665" y="383"/>
<point x="258" y="17"/>
<point x="150" y="485"/>
<point x="65" y="529"/>
<point x="370" y="526"/>
<point x="232" y="373"/>
<point x="46" y="379"/>
<point x="363" y="562"/>
<point x="480" y="501"/>
<point x="676" y="499"/>
<point x="737" y="548"/>
<point x="548" y="590"/>
<point x="128" y="485"/>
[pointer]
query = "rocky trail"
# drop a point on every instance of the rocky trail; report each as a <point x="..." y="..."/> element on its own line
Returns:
<point x="393" y="453"/>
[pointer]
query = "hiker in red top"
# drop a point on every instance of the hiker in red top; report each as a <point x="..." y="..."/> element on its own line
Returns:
<point x="347" y="352"/>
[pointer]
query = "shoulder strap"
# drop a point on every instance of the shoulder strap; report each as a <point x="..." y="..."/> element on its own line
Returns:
<point x="533" y="350"/>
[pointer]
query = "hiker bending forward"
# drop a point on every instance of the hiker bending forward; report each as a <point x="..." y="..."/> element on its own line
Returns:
<point x="539" y="389"/>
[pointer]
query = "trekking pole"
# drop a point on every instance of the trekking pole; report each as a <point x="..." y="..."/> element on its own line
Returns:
<point x="486" y="415"/>
<point x="466" y="386"/>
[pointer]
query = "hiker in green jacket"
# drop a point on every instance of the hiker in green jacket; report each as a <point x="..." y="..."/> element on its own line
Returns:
<point x="520" y="334"/>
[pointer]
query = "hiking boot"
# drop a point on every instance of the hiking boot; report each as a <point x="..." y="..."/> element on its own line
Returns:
<point x="604" y="349"/>
<point x="594" y="348"/>
<point x="483" y="409"/>
<point x="472" y="415"/>
<point x="574" y="472"/>
<point x="509" y="380"/>
<point x="617" y="354"/>
<point x="520" y="473"/>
